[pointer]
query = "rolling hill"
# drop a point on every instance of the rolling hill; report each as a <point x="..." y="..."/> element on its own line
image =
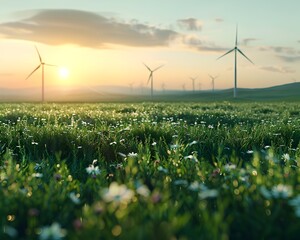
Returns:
<point x="286" y="92"/>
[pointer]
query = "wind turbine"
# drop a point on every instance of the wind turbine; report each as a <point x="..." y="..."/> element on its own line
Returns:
<point x="200" y="86"/>
<point x="213" y="81"/>
<point x="193" y="82"/>
<point x="236" y="50"/>
<point x="42" y="63"/>
<point x="151" y="76"/>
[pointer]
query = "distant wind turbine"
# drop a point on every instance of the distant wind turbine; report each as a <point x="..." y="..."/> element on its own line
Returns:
<point x="163" y="87"/>
<point x="200" y="86"/>
<point x="193" y="82"/>
<point x="42" y="63"/>
<point x="151" y="76"/>
<point x="236" y="50"/>
<point x="213" y="81"/>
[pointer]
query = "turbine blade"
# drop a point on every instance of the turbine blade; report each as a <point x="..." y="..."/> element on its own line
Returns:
<point x="210" y="76"/>
<point x="226" y="53"/>
<point x="245" y="56"/>
<point x="236" y="36"/>
<point x="150" y="76"/>
<point x="33" y="71"/>
<point x="39" y="54"/>
<point x="147" y="67"/>
<point x="158" y="68"/>
<point x="51" y="65"/>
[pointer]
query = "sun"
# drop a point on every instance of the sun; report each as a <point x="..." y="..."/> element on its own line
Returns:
<point x="63" y="73"/>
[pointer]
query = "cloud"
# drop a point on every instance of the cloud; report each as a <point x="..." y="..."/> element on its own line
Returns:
<point x="87" y="29"/>
<point x="191" y="24"/>
<point x="246" y="41"/>
<point x="290" y="59"/>
<point x="196" y="43"/>
<point x="280" y="49"/>
<point x="219" y="20"/>
<point x="277" y="69"/>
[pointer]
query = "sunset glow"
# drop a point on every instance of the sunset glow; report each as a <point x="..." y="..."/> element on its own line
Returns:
<point x="63" y="73"/>
<point x="105" y="43"/>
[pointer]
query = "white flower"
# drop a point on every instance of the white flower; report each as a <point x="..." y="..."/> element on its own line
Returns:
<point x="282" y="191"/>
<point x="37" y="175"/>
<point x="117" y="193"/>
<point x="174" y="146"/>
<point x="286" y="157"/>
<point x="208" y="193"/>
<point x="143" y="191"/>
<point x="53" y="232"/>
<point x="74" y="197"/>
<point x="279" y="191"/>
<point x="195" y="186"/>
<point x="162" y="169"/>
<point x="181" y="182"/>
<point x="132" y="154"/>
<point x="92" y="170"/>
<point x="295" y="202"/>
<point x="191" y="157"/>
<point x="229" y="167"/>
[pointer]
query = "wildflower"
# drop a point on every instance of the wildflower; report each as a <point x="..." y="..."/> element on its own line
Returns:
<point x="229" y="167"/>
<point x="181" y="182"/>
<point x="154" y="144"/>
<point x="57" y="177"/>
<point x="161" y="169"/>
<point x="74" y="198"/>
<point x="279" y="191"/>
<point x="156" y="197"/>
<point x="117" y="193"/>
<point x="37" y="175"/>
<point x="10" y="231"/>
<point x="53" y="232"/>
<point x="174" y="146"/>
<point x="295" y="202"/>
<point x="143" y="190"/>
<point x="195" y="186"/>
<point x="250" y="151"/>
<point x="282" y="191"/>
<point x="92" y="170"/>
<point x="113" y="143"/>
<point x="285" y="157"/>
<point x="208" y="193"/>
<point x="132" y="154"/>
<point x="191" y="157"/>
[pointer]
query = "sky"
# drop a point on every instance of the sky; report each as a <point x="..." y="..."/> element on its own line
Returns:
<point x="101" y="43"/>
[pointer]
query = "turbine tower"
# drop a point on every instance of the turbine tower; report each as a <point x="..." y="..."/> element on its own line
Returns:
<point x="193" y="82"/>
<point x="236" y="50"/>
<point x="151" y="77"/>
<point x="42" y="63"/>
<point x="213" y="81"/>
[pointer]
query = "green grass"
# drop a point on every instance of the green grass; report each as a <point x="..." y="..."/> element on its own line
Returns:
<point x="150" y="171"/>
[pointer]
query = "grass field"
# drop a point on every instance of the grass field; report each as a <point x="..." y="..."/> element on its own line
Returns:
<point x="223" y="170"/>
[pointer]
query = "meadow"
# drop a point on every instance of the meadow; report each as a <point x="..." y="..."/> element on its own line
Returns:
<point x="223" y="170"/>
